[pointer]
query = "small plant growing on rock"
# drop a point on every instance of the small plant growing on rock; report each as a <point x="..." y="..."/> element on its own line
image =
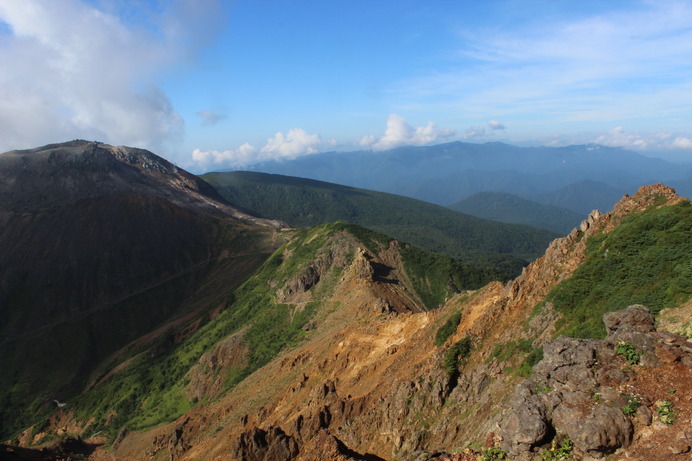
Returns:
<point x="492" y="454"/>
<point x="543" y="389"/>
<point x="628" y="352"/>
<point x="460" y="350"/>
<point x="563" y="450"/>
<point x="630" y="408"/>
<point x="666" y="412"/>
<point x="446" y="330"/>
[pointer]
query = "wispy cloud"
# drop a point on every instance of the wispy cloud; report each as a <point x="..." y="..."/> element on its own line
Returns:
<point x="209" y="117"/>
<point x="661" y="140"/>
<point x="71" y="70"/>
<point x="614" y="65"/>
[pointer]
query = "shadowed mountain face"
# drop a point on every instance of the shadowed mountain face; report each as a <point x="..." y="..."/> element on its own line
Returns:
<point x="101" y="245"/>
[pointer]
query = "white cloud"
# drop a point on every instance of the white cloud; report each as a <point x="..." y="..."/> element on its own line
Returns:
<point x="367" y="140"/>
<point x="495" y="125"/>
<point x="618" y="137"/>
<point x="238" y="157"/>
<point x="295" y="143"/>
<point x="400" y="133"/>
<point x="73" y="71"/>
<point x="681" y="142"/>
<point x="660" y="142"/>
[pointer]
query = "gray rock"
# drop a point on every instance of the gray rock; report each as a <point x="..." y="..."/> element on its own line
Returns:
<point x="526" y="427"/>
<point x="644" y="415"/>
<point x="604" y="430"/>
<point x="634" y="318"/>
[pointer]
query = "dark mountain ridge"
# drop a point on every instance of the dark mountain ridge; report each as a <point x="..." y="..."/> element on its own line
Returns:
<point x="101" y="245"/>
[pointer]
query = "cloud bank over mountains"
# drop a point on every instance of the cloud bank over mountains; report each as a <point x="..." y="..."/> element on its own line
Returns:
<point x="298" y="142"/>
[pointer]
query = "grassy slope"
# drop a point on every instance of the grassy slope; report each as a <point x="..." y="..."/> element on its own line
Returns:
<point x="645" y="260"/>
<point x="150" y="390"/>
<point x="303" y="202"/>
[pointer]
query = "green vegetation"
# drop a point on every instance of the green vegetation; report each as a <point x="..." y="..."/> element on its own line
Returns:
<point x="666" y="412"/>
<point x="492" y="454"/>
<point x="628" y="351"/>
<point x="436" y="277"/>
<point x="152" y="389"/>
<point x="645" y="260"/>
<point x="506" y="351"/>
<point x="305" y="202"/>
<point x="526" y="368"/>
<point x="509" y="208"/>
<point x="630" y="408"/>
<point x="446" y="330"/>
<point x="81" y="322"/>
<point x="542" y="389"/>
<point x="559" y="451"/>
<point x="460" y="350"/>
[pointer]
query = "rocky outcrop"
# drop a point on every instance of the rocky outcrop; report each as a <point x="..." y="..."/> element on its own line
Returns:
<point x="312" y="273"/>
<point x="207" y="376"/>
<point x="271" y="445"/>
<point x="585" y="389"/>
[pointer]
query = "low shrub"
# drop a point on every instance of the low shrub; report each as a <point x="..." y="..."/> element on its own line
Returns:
<point x="446" y="330"/>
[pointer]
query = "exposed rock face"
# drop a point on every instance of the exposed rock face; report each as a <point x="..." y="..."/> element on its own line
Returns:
<point x="578" y="390"/>
<point x="206" y="377"/>
<point x="260" y="445"/>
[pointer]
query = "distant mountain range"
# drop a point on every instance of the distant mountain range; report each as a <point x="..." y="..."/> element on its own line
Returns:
<point x="447" y="173"/>
<point x="306" y="202"/>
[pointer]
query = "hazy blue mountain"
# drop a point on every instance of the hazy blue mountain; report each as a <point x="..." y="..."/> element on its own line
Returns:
<point x="306" y="202"/>
<point x="584" y="196"/>
<point x="682" y="186"/>
<point x="447" y="173"/>
<point x="504" y="207"/>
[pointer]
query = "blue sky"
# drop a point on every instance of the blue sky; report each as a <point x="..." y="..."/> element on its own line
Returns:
<point x="212" y="84"/>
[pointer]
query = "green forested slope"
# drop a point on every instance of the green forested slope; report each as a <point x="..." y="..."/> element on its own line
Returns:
<point x="504" y="207"/>
<point x="304" y="202"/>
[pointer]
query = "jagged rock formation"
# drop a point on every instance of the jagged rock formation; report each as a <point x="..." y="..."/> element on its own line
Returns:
<point x="585" y="391"/>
